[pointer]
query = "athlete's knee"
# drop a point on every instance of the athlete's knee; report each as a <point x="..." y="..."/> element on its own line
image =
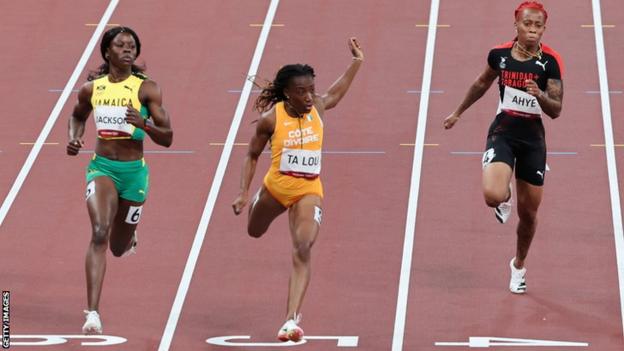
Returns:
<point x="302" y="250"/>
<point x="99" y="236"/>
<point x="255" y="232"/>
<point x="493" y="197"/>
<point x="117" y="251"/>
<point x="527" y="215"/>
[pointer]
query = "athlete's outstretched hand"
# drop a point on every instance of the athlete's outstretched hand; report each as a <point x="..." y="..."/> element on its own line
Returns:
<point x="450" y="121"/>
<point x="239" y="203"/>
<point x="73" y="146"/>
<point x="356" y="50"/>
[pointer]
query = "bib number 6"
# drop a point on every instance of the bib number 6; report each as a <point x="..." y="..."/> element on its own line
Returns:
<point x="134" y="214"/>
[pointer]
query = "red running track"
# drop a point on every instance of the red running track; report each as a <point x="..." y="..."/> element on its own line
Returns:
<point x="197" y="51"/>
<point x="460" y="276"/>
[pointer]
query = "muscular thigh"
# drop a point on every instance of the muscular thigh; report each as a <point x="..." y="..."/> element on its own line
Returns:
<point x="102" y="201"/>
<point x="498" y="163"/>
<point x="531" y="162"/>
<point x="498" y="148"/>
<point x="529" y="198"/>
<point x="126" y="220"/>
<point x="263" y="209"/>
<point x="305" y="218"/>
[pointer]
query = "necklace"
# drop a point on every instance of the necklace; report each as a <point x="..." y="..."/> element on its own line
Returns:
<point x="293" y="109"/>
<point x="537" y="55"/>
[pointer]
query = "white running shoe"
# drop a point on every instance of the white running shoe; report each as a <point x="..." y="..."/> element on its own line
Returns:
<point x="290" y="330"/>
<point x="517" y="283"/>
<point x="133" y="244"/>
<point x="503" y="210"/>
<point x="93" y="325"/>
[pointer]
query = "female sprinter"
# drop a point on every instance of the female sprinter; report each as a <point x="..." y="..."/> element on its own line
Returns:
<point x="529" y="79"/>
<point x="126" y="106"/>
<point x="292" y="122"/>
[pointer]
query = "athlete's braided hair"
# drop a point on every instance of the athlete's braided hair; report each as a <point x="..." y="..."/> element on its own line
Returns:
<point x="107" y="39"/>
<point x="273" y="92"/>
<point x="535" y="5"/>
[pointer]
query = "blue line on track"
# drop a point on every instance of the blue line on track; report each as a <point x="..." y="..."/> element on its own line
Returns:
<point x="61" y="90"/>
<point x="344" y="152"/>
<point x="551" y="153"/>
<point x="168" y="152"/>
<point x="338" y="152"/>
<point x="598" y="92"/>
<point x="238" y="91"/>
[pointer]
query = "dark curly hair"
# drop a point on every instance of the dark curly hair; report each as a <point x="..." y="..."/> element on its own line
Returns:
<point x="273" y="92"/>
<point x="107" y="39"/>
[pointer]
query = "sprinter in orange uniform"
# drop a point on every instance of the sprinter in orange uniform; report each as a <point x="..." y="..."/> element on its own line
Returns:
<point x="291" y="120"/>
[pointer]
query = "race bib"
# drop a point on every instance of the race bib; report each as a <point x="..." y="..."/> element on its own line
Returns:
<point x="110" y="122"/>
<point x="518" y="103"/>
<point x="301" y="163"/>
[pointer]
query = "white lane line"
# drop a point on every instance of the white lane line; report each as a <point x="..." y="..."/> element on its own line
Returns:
<point x="410" y="223"/>
<point x="176" y="309"/>
<point x="56" y="111"/>
<point x="616" y="211"/>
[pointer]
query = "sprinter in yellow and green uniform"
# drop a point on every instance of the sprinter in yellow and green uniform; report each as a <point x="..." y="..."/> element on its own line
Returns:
<point x="126" y="107"/>
<point x="110" y="101"/>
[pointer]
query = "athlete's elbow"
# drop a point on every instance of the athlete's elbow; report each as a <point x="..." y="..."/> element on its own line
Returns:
<point x="555" y="113"/>
<point x="331" y="104"/>
<point x="167" y="140"/>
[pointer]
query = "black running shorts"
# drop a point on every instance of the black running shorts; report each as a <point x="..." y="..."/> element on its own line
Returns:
<point x="529" y="158"/>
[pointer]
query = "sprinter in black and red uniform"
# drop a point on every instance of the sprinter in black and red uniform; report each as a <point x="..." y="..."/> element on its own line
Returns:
<point x="529" y="77"/>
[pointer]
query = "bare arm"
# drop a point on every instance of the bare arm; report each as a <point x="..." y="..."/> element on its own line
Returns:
<point x="551" y="100"/>
<point x="337" y="91"/>
<point x="158" y="127"/>
<point x="475" y="92"/>
<point x="76" y="124"/>
<point x="264" y="130"/>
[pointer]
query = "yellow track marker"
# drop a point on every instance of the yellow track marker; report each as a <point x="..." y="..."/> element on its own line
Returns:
<point x="603" y="145"/>
<point x="108" y="25"/>
<point x="426" y="25"/>
<point x="592" y="26"/>
<point x="43" y="143"/>
<point x="235" y="144"/>
<point x="260" y="25"/>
